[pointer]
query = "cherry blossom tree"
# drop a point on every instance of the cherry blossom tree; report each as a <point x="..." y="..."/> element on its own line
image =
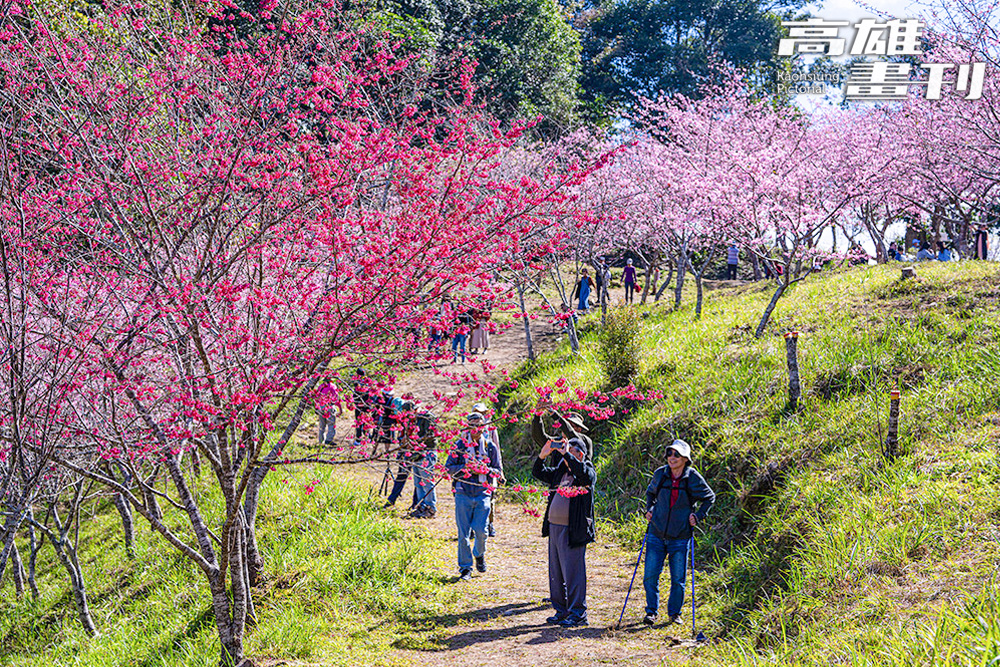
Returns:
<point x="232" y="223"/>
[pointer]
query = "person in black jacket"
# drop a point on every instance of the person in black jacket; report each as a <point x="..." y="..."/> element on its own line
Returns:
<point x="569" y="525"/>
<point x="670" y="511"/>
<point x="570" y="426"/>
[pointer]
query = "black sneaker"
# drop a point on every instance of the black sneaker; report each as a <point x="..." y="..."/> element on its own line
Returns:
<point x="649" y="619"/>
<point x="465" y="574"/>
<point x="673" y="619"/>
<point x="555" y="620"/>
<point x="490" y="532"/>
<point x="570" y="622"/>
<point x="481" y="563"/>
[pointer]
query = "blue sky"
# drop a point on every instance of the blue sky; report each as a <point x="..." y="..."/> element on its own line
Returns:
<point x="851" y="11"/>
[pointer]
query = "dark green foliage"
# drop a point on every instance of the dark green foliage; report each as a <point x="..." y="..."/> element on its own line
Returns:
<point x="527" y="54"/>
<point x="619" y="349"/>
<point x="647" y="46"/>
<point x="529" y="61"/>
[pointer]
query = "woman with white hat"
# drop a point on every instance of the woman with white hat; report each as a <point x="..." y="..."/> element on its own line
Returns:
<point x="670" y="511"/>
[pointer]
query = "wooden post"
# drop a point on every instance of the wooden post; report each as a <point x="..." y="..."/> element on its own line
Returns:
<point x="892" y="439"/>
<point x="794" y="388"/>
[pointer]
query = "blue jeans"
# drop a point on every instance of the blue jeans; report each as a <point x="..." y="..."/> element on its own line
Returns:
<point x="676" y="553"/>
<point x="458" y="340"/>
<point x="402" y="475"/>
<point x="423" y="480"/>
<point x="471" y="512"/>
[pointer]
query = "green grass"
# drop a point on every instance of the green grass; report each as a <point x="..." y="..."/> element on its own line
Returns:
<point x="341" y="579"/>
<point x="820" y="550"/>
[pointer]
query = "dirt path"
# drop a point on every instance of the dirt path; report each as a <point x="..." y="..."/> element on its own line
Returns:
<point x="502" y="620"/>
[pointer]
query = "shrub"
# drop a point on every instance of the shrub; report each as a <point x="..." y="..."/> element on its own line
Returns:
<point x="619" y="349"/>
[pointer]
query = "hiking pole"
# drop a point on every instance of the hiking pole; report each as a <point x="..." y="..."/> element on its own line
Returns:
<point x="386" y="476"/>
<point x="638" y="560"/>
<point x="700" y="636"/>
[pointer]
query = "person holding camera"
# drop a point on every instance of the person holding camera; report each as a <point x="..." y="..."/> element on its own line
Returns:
<point x="474" y="464"/>
<point x="670" y="511"/>
<point x="569" y="525"/>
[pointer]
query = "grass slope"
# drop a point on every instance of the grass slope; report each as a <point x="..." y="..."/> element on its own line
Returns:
<point x="342" y="581"/>
<point x="819" y="550"/>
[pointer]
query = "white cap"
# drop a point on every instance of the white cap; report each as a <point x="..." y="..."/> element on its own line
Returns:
<point x="681" y="448"/>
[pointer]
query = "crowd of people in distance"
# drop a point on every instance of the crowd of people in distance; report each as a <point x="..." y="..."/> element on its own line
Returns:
<point x="771" y="268"/>
<point x="676" y="499"/>
<point x="467" y="328"/>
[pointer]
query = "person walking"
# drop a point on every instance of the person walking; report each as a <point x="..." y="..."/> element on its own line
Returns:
<point x="494" y="434"/>
<point x="979" y="243"/>
<point x="605" y="272"/>
<point x="479" y="337"/>
<point x="670" y="511"/>
<point x="732" y="261"/>
<point x="328" y="408"/>
<point x="569" y="525"/>
<point x="461" y="335"/>
<point x="404" y="425"/>
<point x="629" y="280"/>
<point x="424" y="489"/>
<point x="471" y="463"/>
<point x="439" y="327"/>
<point x="361" y="396"/>
<point x="582" y="290"/>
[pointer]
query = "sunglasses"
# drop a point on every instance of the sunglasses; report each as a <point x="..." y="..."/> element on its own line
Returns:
<point x="673" y="452"/>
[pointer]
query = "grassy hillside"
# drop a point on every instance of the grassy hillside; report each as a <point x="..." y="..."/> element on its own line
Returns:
<point x="343" y="580"/>
<point x="820" y="550"/>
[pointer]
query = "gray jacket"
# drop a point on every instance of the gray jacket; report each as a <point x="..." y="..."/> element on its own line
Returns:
<point x="672" y="523"/>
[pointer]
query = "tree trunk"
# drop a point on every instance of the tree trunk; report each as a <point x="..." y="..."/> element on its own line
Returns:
<point x="231" y="643"/>
<point x="791" y="352"/>
<point x="892" y="439"/>
<point x="127" y="525"/>
<point x="17" y="571"/>
<point x="697" y="304"/>
<point x="770" y="307"/>
<point x="681" y="264"/>
<point x="71" y="562"/>
<point x="574" y="342"/>
<point x="34" y="546"/>
<point x="10" y="527"/>
<point x="527" y="323"/>
<point x="650" y="268"/>
<point x="666" y="283"/>
<point x="604" y="306"/>
<point x="254" y="560"/>
<point x="195" y="462"/>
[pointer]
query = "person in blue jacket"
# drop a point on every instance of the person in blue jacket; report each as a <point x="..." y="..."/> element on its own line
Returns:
<point x="670" y="511"/>
<point x="474" y="465"/>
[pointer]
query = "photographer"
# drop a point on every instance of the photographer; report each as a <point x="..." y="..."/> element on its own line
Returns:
<point x="569" y="525"/>
<point x="473" y="464"/>
<point x="670" y="500"/>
